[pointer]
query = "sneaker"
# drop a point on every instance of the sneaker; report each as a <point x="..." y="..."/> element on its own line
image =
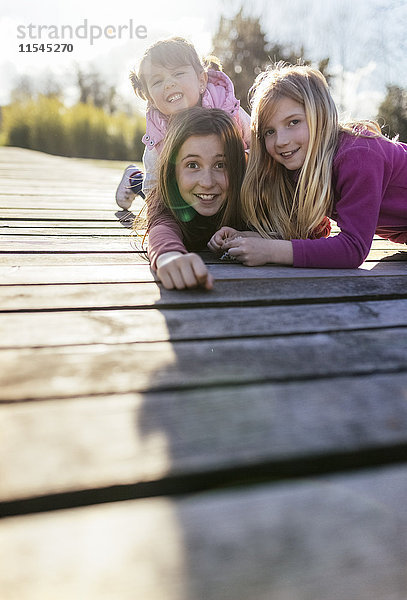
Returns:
<point x="129" y="186"/>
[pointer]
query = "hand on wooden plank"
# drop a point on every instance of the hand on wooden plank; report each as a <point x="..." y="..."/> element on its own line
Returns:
<point x="181" y="271"/>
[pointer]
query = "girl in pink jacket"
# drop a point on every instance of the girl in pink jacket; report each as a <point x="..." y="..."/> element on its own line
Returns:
<point x="171" y="78"/>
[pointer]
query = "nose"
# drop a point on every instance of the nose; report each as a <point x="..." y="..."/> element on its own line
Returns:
<point x="207" y="179"/>
<point x="282" y="137"/>
<point x="169" y="82"/>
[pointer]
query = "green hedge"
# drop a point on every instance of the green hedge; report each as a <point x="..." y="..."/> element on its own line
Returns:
<point x="82" y="130"/>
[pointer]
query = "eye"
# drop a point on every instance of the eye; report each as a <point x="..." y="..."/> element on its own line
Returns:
<point x="220" y="165"/>
<point x="192" y="165"/>
<point x="268" y="132"/>
<point x="156" y="82"/>
<point x="294" y="122"/>
<point x="179" y="73"/>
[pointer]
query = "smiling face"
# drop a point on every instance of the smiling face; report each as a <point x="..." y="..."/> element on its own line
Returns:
<point x="172" y="89"/>
<point x="286" y="134"/>
<point x="201" y="173"/>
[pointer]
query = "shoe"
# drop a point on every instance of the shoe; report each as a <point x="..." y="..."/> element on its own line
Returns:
<point x="129" y="187"/>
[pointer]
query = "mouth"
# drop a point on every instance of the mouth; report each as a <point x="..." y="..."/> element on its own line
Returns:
<point x="174" y="97"/>
<point x="288" y="154"/>
<point x="206" y="198"/>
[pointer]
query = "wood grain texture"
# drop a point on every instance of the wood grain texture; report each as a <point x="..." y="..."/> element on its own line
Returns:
<point x="132" y="438"/>
<point x="244" y="443"/>
<point x="101" y="369"/>
<point x="318" y="539"/>
<point x="60" y="212"/>
<point x="94" y="242"/>
<point x="226" y="293"/>
<point x="42" y="259"/>
<point x="36" y="329"/>
<point x="106" y="273"/>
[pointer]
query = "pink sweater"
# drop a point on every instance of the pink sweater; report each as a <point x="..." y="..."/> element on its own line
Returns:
<point x="219" y="93"/>
<point x="370" y="184"/>
<point x="166" y="236"/>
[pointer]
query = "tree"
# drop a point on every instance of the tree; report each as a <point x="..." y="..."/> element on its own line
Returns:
<point x="93" y="89"/>
<point x="241" y="45"/>
<point x="24" y="89"/>
<point x="393" y="111"/>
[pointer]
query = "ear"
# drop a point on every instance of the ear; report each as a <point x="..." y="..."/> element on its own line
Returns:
<point x="203" y="80"/>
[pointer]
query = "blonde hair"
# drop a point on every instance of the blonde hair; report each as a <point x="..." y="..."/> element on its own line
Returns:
<point x="166" y="196"/>
<point x="273" y="201"/>
<point x="170" y="52"/>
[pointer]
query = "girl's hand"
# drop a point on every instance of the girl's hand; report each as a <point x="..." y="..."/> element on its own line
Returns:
<point x="180" y="271"/>
<point x="255" y="251"/>
<point x="220" y="237"/>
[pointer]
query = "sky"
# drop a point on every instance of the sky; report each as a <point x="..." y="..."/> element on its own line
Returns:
<point x="366" y="40"/>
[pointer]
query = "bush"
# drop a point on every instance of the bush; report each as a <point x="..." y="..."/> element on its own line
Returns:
<point x="393" y="112"/>
<point x="82" y="130"/>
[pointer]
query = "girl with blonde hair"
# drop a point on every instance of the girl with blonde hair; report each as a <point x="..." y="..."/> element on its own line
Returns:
<point x="303" y="166"/>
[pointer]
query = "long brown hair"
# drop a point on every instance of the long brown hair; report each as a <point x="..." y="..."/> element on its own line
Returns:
<point x="165" y="197"/>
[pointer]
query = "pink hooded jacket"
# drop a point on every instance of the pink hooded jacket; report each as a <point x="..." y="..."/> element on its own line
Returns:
<point x="219" y="93"/>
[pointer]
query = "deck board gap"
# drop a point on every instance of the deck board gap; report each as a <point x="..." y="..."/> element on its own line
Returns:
<point x="271" y="472"/>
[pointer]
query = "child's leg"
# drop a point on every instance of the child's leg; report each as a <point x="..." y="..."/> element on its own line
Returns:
<point x="129" y="187"/>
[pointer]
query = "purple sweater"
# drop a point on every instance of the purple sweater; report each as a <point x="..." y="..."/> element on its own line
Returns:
<point x="370" y="187"/>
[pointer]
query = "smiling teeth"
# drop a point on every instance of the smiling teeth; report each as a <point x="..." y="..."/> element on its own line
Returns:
<point x="287" y="154"/>
<point x="174" y="97"/>
<point x="205" y="196"/>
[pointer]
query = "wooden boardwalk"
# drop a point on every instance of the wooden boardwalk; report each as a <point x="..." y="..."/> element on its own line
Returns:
<point x="248" y="443"/>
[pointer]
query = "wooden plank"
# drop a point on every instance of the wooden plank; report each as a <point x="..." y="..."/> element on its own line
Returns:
<point x="18" y="260"/>
<point x="71" y="183"/>
<point x="18" y="243"/>
<point x="65" y="175"/>
<point x="387" y="255"/>
<point x="387" y="244"/>
<point x="62" y="176"/>
<point x="134" y="438"/>
<point x="310" y="539"/>
<point x="17" y="226"/>
<point x="64" y="212"/>
<point x="149" y="325"/>
<point x="22" y="259"/>
<point x="105" y="200"/>
<point x="140" y="271"/>
<point x="100" y="369"/>
<point x="227" y="293"/>
<point x="83" y="218"/>
<point x="24" y="205"/>
<point x="23" y="241"/>
<point x="97" y="240"/>
<point x="72" y="232"/>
